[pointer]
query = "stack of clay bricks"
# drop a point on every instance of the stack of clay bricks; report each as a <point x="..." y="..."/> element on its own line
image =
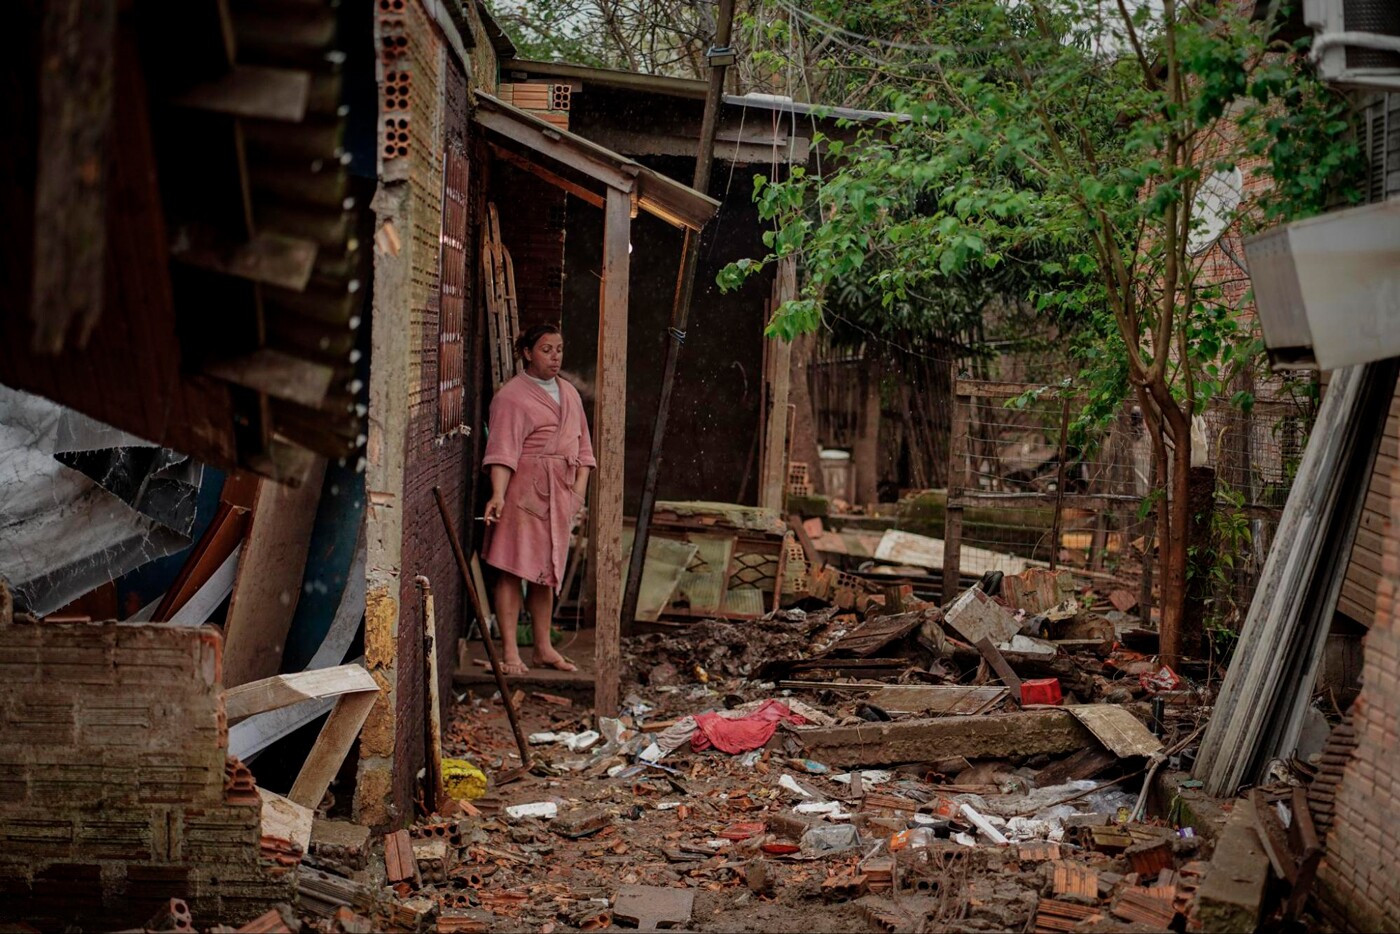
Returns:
<point x="116" y="793"/>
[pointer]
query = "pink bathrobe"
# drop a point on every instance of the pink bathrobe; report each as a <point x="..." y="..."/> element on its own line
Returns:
<point x="545" y="444"/>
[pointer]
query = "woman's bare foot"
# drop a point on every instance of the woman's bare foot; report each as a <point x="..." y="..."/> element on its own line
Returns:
<point x="553" y="659"/>
<point x="513" y="666"/>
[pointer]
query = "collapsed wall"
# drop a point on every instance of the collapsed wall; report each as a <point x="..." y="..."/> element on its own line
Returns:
<point x="116" y="791"/>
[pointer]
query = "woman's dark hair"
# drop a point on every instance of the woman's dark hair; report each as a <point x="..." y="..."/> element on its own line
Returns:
<point x="531" y="337"/>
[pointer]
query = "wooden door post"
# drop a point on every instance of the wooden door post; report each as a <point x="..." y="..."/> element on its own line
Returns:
<point x="609" y="441"/>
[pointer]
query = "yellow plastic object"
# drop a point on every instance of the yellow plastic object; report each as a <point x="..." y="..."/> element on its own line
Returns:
<point x="464" y="781"/>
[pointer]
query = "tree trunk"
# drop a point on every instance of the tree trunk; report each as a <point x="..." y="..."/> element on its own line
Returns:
<point x="804" y="428"/>
<point x="866" y="456"/>
<point x="1176" y="541"/>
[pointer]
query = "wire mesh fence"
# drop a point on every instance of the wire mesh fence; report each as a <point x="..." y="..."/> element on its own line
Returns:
<point x="1030" y="486"/>
<point x="1027" y="488"/>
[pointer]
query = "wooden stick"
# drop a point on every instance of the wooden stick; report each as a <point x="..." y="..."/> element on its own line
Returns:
<point x="432" y="779"/>
<point x="475" y="597"/>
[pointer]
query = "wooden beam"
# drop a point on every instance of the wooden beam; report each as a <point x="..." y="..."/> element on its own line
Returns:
<point x="77" y="71"/>
<point x="545" y="175"/>
<point x="773" y="470"/>
<point x="609" y="432"/>
<point x="752" y="148"/>
<point x="333" y="744"/>
<point x="549" y="141"/>
<point x="285" y="690"/>
<point x="269" y="578"/>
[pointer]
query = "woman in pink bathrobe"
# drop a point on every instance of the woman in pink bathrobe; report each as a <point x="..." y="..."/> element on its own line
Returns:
<point x="540" y="456"/>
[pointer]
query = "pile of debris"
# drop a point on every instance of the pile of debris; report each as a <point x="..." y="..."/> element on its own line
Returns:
<point x="1001" y="763"/>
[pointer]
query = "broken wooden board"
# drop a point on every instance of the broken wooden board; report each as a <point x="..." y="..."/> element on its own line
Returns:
<point x="284" y="690"/>
<point x="975" y="616"/>
<point x="938" y="699"/>
<point x="269" y="580"/>
<point x="1122" y="733"/>
<point x="286" y="820"/>
<point x="651" y="907"/>
<point x="874" y="634"/>
<point x="1001" y="667"/>
<point x="1027" y="733"/>
<point x="331" y="747"/>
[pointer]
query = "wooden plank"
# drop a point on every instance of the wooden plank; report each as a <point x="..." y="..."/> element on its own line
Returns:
<point x="269" y="577"/>
<point x="332" y="745"/>
<point x="253" y="91"/>
<point x="77" y="73"/>
<point x="285" y="819"/>
<point x="529" y="131"/>
<point x="879" y="631"/>
<point x="777" y="361"/>
<point x="278" y="374"/>
<point x="545" y="175"/>
<point x="284" y="690"/>
<point x="435" y="791"/>
<point x="999" y="665"/>
<point x="610" y="425"/>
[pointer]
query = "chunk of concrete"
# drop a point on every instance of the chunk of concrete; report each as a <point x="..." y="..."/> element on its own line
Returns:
<point x="1231" y="896"/>
<point x="975" y="616"/>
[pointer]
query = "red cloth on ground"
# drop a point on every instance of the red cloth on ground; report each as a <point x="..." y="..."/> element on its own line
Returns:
<point x="741" y="734"/>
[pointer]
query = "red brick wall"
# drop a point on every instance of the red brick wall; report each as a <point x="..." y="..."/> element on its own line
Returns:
<point x="113" y="751"/>
<point x="431" y="459"/>
<point x="532" y="228"/>
<point x="1358" y="885"/>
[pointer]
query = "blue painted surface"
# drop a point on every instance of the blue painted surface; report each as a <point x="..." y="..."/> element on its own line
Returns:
<point x="332" y="548"/>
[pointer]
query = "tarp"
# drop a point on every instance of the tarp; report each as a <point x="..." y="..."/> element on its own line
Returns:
<point x="82" y="503"/>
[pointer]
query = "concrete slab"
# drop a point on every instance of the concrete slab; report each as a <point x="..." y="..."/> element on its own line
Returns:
<point x="1230" y="899"/>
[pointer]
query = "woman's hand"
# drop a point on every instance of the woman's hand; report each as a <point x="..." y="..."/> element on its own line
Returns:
<point x="495" y="508"/>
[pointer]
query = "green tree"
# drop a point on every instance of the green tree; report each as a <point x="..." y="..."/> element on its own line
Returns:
<point x="1074" y="152"/>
